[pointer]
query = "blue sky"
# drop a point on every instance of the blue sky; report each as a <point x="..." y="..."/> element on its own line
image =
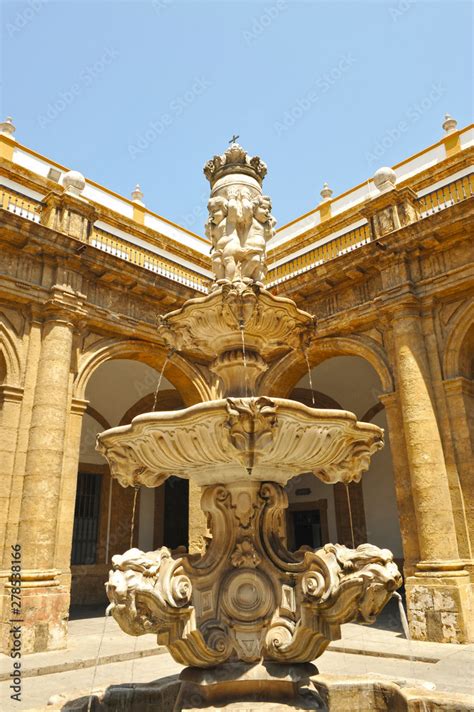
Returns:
<point x="148" y="91"/>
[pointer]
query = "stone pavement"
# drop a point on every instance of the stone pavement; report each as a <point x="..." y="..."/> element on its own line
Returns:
<point x="379" y="649"/>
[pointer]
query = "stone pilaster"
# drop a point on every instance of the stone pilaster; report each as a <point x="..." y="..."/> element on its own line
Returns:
<point x="459" y="393"/>
<point x="68" y="490"/>
<point x="406" y="510"/>
<point x="33" y="348"/>
<point x="10" y="399"/>
<point x="438" y="595"/>
<point x="44" y="602"/>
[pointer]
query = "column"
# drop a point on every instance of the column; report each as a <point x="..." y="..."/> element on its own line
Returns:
<point x="438" y="595"/>
<point x="45" y="602"/>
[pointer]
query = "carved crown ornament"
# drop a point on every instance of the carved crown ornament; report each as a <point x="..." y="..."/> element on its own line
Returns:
<point x="235" y="160"/>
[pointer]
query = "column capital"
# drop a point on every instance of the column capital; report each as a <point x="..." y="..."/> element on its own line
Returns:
<point x="459" y="385"/>
<point x="388" y="399"/>
<point x="11" y="394"/>
<point x="406" y="308"/>
<point x="79" y="406"/>
<point x="64" y="306"/>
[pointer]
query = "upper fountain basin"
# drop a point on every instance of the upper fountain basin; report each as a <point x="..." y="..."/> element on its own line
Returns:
<point x="206" y="327"/>
<point x="221" y="441"/>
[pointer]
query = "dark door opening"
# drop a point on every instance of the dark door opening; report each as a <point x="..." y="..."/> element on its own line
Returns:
<point x="176" y="530"/>
<point x="307" y="528"/>
<point x="86" y="519"/>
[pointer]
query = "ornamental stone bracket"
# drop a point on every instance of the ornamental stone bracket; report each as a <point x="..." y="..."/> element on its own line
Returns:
<point x="392" y="210"/>
<point x="247" y="598"/>
<point x="65" y="303"/>
<point x="68" y="212"/>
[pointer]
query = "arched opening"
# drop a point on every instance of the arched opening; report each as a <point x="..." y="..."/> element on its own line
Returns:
<point x="118" y="390"/>
<point x="366" y="511"/>
<point x="466" y="355"/>
<point x="3" y="368"/>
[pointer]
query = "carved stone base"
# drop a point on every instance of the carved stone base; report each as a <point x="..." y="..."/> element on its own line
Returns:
<point x="439" y="606"/>
<point x="288" y="686"/>
<point x="326" y="693"/>
<point x="42" y="624"/>
<point x="248" y="598"/>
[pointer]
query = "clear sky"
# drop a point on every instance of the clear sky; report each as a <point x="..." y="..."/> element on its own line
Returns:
<point x="146" y="92"/>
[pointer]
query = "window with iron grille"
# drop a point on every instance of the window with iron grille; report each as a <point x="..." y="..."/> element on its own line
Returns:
<point x="86" y="519"/>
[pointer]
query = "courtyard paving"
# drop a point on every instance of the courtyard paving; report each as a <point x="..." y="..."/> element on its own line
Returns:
<point x="381" y="650"/>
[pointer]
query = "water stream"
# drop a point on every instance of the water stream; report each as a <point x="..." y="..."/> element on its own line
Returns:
<point x="310" y="378"/>
<point x="244" y="354"/>
<point x="109" y="608"/>
<point x="160" y="378"/>
<point x="349" y="509"/>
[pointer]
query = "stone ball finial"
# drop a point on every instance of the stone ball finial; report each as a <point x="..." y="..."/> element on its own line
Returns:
<point x="449" y="124"/>
<point x="74" y="182"/>
<point x="326" y="192"/>
<point x="7" y="127"/>
<point x="385" y="179"/>
<point x="137" y="195"/>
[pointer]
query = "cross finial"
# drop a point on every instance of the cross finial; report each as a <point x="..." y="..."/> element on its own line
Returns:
<point x="234" y="139"/>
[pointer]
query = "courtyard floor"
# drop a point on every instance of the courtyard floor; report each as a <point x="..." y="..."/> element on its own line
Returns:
<point x="380" y="649"/>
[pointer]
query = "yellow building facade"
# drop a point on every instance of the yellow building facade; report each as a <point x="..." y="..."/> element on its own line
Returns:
<point x="85" y="274"/>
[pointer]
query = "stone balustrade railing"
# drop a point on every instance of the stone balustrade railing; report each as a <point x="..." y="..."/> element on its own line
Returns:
<point x="331" y="248"/>
<point x="99" y="239"/>
<point x="429" y="204"/>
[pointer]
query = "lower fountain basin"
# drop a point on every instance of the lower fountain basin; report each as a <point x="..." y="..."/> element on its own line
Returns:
<point x="217" y="442"/>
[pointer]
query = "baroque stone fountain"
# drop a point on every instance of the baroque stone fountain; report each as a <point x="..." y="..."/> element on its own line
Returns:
<point x="246" y="616"/>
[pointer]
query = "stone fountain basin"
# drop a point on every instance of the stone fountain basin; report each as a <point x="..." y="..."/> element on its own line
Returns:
<point x="221" y="441"/>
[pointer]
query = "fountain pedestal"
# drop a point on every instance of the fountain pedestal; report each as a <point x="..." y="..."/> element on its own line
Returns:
<point x="247" y="598"/>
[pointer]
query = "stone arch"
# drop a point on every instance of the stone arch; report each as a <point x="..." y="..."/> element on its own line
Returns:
<point x="283" y="377"/>
<point x="456" y="345"/>
<point x="11" y="364"/>
<point x="186" y="378"/>
<point x="168" y="400"/>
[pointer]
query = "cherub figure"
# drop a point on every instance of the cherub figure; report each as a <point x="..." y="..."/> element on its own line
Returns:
<point x="262" y="229"/>
<point x="216" y="232"/>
